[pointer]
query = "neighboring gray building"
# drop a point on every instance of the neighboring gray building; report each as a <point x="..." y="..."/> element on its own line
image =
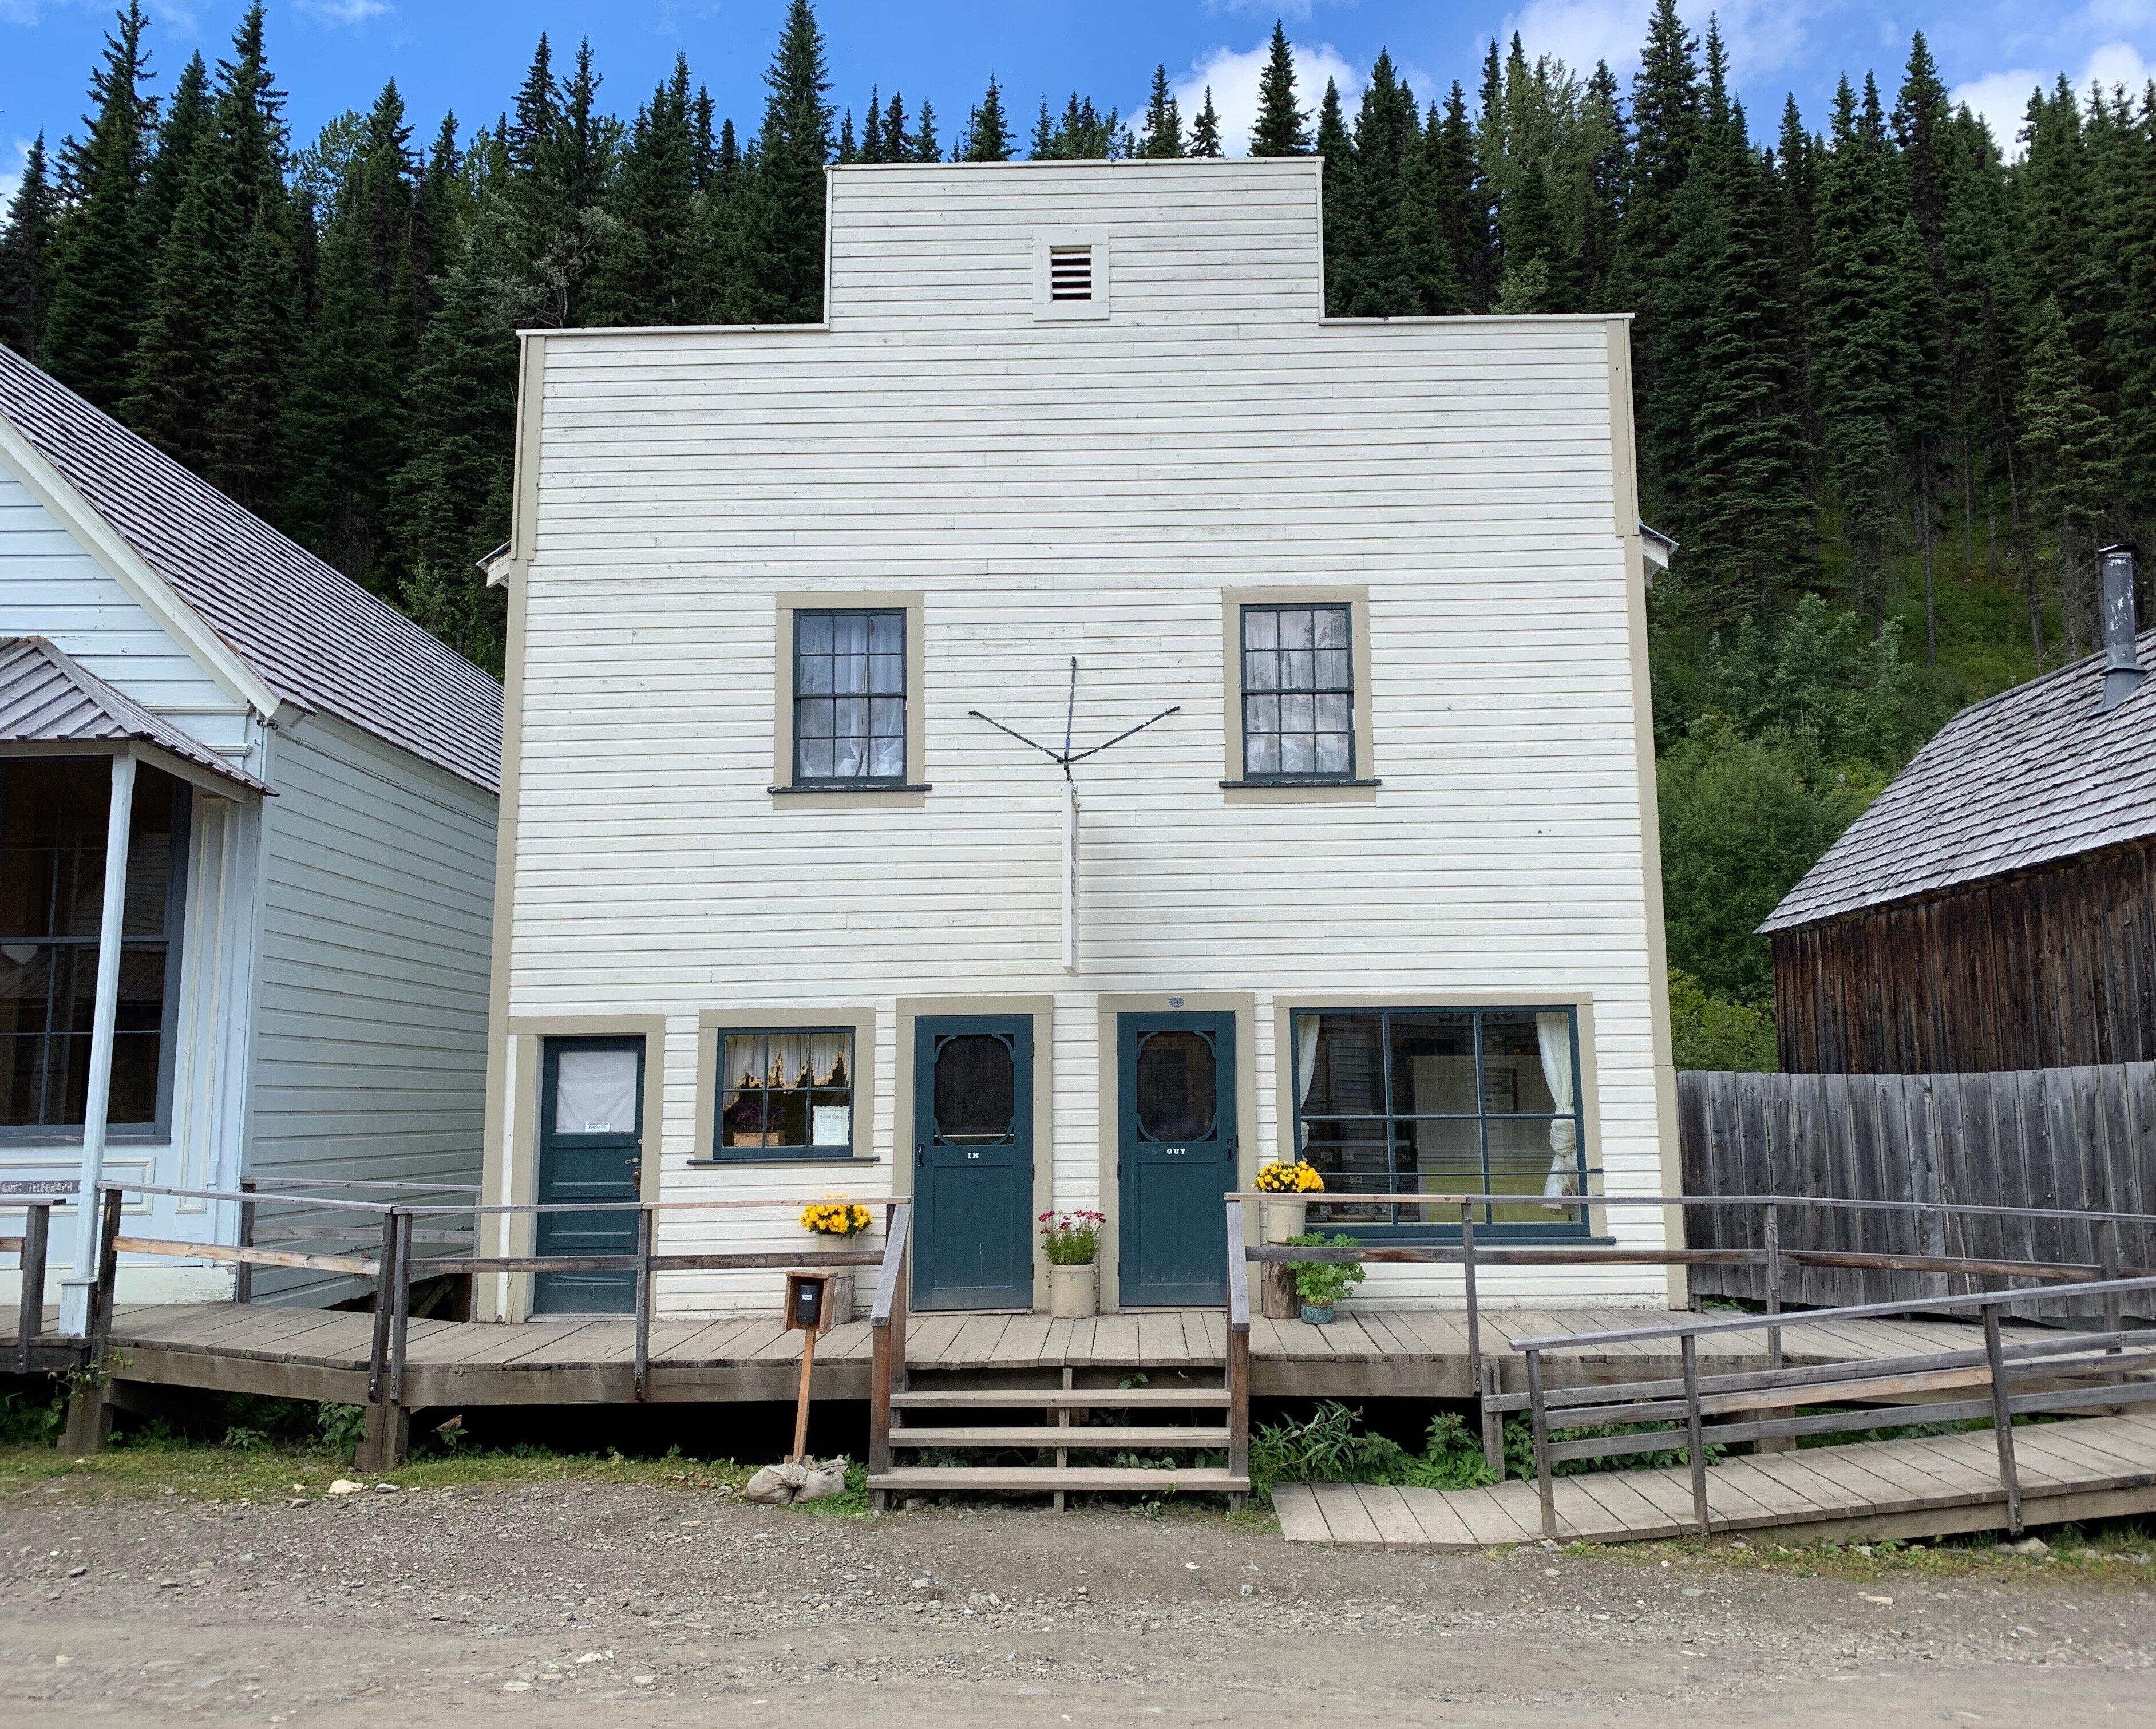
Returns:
<point x="312" y="784"/>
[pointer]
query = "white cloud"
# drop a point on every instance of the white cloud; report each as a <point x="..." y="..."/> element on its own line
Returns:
<point x="1284" y="9"/>
<point x="1762" y="36"/>
<point x="1233" y="78"/>
<point x="346" y="12"/>
<point x="12" y="178"/>
<point x="2002" y="98"/>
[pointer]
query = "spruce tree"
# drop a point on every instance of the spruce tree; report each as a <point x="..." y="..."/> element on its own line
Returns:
<point x="2072" y="449"/>
<point x="1279" y="130"/>
<point x="26" y="247"/>
<point x="187" y="121"/>
<point x="1162" y="132"/>
<point x="1465" y="218"/>
<point x="174" y="391"/>
<point x="97" y="279"/>
<point x="872" y="150"/>
<point x="645" y="270"/>
<point x="1920" y="110"/>
<point x="1205" y="130"/>
<point x="988" y="132"/>
<point x="775" y="268"/>
<point x="2134" y="322"/>
<point x="1345" y="264"/>
<point x="922" y="146"/>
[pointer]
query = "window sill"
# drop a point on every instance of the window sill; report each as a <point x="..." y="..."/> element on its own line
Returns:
<point x="854" y="786"/>
<point x="1290" y="785"/>
<point x="790" y="1158"/>
<point x="875" y="795"/>
<point x="1339" y="792"/>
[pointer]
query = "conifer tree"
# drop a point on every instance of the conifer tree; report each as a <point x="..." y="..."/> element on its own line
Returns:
<point x="872" y="150"/>
<point x="1281" y="128"/>
<point x="1162" y="132"/>
<point x="2134" y="322"/>
<point x="1205" y="130"/>
<point x="97" y="278"/>
<point x="922" y="146"/>
<point x="1463" y="215"/>
<point x="988" y="132"/>
<point x="26" y="247"/>
<point x="174" y="390"/>
<point x="186" y="122"/>
<point x="2073" y="462"/>
<point x="774" y="270"/>
<point x="1344" y="263"/>
<point x="1601" y="221"/>
<point x="645" y="270"/>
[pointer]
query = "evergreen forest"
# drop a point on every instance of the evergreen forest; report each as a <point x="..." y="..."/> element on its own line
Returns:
<point x="1896" y="376"/>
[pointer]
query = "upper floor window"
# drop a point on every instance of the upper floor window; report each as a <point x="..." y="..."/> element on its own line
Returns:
<point x="849" y="698"/>
<point x="1298" y="693"/>
<point x="53" y="827"/>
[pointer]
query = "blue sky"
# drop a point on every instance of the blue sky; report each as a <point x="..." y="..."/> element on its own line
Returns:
<point x="468" y="54"/>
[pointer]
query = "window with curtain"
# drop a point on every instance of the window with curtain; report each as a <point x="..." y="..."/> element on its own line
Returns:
<point x="53" y="824"/>
<point x="1441" y="1101"/>
<point x="786" y="1092"/>
<point x="1298" y="693"/>
<point x="849" y="698"/>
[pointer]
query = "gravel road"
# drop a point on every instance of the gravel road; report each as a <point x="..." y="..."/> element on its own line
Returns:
<point x="635" y="1606"/>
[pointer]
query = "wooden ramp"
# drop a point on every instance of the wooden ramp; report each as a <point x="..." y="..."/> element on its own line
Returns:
<point x="2087" y="1468"/>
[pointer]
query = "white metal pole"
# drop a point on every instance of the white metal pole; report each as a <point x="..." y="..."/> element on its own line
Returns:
<point x="82" y="1276"/>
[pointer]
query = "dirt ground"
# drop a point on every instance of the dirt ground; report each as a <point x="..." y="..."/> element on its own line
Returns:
<point x="633" y="1605"/>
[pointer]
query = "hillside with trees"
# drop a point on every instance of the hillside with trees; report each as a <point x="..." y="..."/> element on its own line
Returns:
<point x="1895" y="377"/>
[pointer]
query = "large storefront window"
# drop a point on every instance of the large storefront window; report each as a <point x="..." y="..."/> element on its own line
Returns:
<point x="53" y="825"/>
<point x="1441" y="1101"/>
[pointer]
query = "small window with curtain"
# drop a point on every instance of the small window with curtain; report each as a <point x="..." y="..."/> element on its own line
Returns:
<point x="54" y="816"/>
<point x="786" y="1092"/>
<point x="849" y="698"/>
<point x="1298" y="693"/>
<point x="1441" y="1101"/>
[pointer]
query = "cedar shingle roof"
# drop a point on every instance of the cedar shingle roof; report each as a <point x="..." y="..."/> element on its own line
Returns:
<point x="311" y="633"/>
<point x="2032" y="776"/>
<point x="45" y="698"/>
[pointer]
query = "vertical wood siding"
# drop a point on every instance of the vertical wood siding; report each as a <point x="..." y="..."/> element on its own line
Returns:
<point x="1081" y="488"/>
<point x="2050" y="969"/>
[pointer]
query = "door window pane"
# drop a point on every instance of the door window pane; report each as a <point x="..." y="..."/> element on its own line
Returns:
<point x="1177" y="1086"/>
<point x="595" y="1092"/>
<point x="1298" y="693"/>
<point x="786" y="1089"/>
<point x="850" y="696"/>
<point x="976" y="1090"/>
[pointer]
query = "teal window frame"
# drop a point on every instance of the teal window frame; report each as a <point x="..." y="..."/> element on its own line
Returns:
<point x="1255" y="697"/>
<point x="834" y="782"/>
<point x="767" y="1151"/>
<point x="1570" y="1225"/>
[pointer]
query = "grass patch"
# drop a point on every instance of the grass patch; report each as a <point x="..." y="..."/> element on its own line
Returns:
<point x="2120" y="1551"/>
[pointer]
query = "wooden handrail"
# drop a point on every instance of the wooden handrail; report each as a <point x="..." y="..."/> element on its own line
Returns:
<point x="1238" y="1345"/>
<point x="887" y="1312"/>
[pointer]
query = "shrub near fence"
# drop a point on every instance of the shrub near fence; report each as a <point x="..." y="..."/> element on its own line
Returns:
<point x="2065" y="1138"/>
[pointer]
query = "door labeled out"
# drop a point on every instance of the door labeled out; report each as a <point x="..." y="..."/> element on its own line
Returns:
<point x="1175" y="1156"/>
<point x="591" y="1149"/>
<point x="972" y="1169"/>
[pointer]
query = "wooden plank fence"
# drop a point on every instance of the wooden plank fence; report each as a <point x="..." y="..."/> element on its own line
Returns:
<point x="2066" y="1138"/>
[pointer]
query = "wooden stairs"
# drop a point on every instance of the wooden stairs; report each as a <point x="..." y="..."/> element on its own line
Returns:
<point x="1071" y="1426"/>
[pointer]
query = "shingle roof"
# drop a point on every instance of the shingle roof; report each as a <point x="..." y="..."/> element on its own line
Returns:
<point x="45" y="698"/>
<point x="2032" y="776"/>
<point x="311" y="633"/>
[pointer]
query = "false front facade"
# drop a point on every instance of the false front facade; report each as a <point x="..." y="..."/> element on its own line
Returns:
<point x="814" y="880"/>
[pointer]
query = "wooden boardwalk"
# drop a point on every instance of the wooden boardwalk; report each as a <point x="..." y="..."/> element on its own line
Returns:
<point x="322" y="1354"/>
<point x="2087" y="1468"/>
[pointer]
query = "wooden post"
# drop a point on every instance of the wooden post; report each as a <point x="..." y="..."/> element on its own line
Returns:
<point x="1690" y="1346"/>
<point x="108" y="1280"/>
<point x="243" y="1277"/>
<point x="801" y="1406"/>
<point x="400" y="1307"/>
<point x="2002" y="1418"/>
<point x="30" y="1309"/>
<point x="388" y="1437"/>
<point x="1493" y="1421"/>
<point x="887" y="1334"/>
<point x="385" y="1274"/>
<point x="1238" y="1350"/>
<point x="89" y="1407"/>
<point x="1541" y="1415"/>
<point x="1493" y="1424"/>
<point x="646" y="1227"/>
<point x="2114" y="1306"/>
<point x="1771" y="1229"/>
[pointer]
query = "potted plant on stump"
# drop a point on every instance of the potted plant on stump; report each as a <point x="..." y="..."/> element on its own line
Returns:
<point x="1321" y="1284"/>
<point x="1281" y="1221"/>
<point x="1073" y="1242"/>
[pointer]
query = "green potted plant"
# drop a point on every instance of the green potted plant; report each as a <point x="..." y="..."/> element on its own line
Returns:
<point x="1321" y="1284"/>
<point x="1072" y="1240"/>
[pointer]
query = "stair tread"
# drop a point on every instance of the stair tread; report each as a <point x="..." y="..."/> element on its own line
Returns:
<point x="1049" y="1435"/>
<point x="1106" y="1398"/>
<point x="1043" y="1477"/>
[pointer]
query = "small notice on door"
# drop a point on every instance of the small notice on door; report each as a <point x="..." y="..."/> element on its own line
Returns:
<point x="832" y="1126"/>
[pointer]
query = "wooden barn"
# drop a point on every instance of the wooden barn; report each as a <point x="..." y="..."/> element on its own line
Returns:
<point x="1996" y="908"/>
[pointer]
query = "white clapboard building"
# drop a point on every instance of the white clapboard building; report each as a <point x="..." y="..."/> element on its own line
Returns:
<point x="306" y="787"/>
<point x="798" y="896"/>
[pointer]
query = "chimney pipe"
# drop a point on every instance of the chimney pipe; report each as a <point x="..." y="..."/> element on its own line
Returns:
<point x="2122" y="669"/>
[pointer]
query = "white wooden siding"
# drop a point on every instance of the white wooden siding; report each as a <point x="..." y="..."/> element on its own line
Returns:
<point x="1088" y="488"/>
<point x="370" y="1010"/>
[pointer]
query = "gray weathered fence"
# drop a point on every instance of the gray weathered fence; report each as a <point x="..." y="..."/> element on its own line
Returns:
<point x="2069" y="1138"/>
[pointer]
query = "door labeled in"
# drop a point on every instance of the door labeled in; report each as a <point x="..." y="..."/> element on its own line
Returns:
<point x="1175" y="1156"/>
<point x="591" y="1149"/>
<point x="972" y="1162"/>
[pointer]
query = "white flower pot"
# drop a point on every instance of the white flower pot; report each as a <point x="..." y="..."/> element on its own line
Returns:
<point x="1074" y="1293"/>
<point x="1284" y="1220"/>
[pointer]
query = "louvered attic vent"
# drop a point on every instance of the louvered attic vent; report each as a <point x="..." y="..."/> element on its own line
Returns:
<point x="1069" y="273"/>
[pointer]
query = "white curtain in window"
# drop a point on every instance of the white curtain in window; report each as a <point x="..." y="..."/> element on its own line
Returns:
<point x="595" y="1092"/>
<point x="1305" y="1067"/>
<point x="790" y="1056"/>
<point x="1554" y="1033"/>
<point x="826" y="1051"/>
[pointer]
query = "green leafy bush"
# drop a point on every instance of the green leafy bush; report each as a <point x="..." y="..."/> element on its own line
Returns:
<point x="1321" y="1284"/>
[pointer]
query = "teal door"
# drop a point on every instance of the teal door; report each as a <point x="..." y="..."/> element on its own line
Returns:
<point x="591" y="1148"/>
<point x="972" y="1162"/>
<point x="1175" y="1156"/>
